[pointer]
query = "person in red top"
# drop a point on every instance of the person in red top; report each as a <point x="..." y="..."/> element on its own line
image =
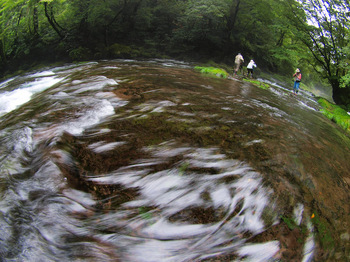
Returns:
<point x="297" y="79"/>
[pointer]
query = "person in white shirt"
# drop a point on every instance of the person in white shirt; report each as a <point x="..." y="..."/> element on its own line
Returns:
<point x="250" y="68"/>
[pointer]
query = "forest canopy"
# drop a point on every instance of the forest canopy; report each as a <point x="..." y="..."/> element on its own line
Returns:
<point x="279" y="35"/>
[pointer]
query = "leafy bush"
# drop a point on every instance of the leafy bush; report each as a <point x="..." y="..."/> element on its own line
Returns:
<point x="123" y="51"/>
<point x="345" y="81"/>
<point x="79" y="54"/>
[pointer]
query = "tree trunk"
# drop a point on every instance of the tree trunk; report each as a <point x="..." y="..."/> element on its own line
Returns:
<point x="35" y="21"/>
<point x="106" y="31"/>
<point x="52" y="21"/>
<point x="231" y="22"/>
<point x="2" y="52"/>
<point x="341" y="96"/>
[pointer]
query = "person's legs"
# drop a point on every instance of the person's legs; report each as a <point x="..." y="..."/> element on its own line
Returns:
<point x="296" y="87"/>
<point x="236" y="68"/>
<point x="250" y="72"/>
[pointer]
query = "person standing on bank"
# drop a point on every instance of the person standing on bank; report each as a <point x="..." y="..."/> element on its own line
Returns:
<point x="250" y="68"/>
<point x="238" y="62"/>
<point x="297" y="79"/>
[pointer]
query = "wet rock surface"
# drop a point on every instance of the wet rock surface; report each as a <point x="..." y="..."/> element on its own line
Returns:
<point x="151" y="161"/>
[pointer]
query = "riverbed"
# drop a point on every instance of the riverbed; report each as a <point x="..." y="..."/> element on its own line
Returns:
<point x="129" y="160"/>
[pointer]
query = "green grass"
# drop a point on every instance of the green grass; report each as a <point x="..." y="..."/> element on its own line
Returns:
<point x="212" y="71"/>
<point x="335" y="113"/>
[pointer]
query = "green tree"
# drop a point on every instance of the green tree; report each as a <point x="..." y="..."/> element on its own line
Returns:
<point x="26" y="30"/>
<point x="157" y="23"/>
<point x="50" y="15"/>
<point x="199" y="27"/>
<point x="286" y="50"/>
<point x="16" y="25"/>
<point x="224" y="27"/>
<point x="323" y="27"/>
<point x="345" y="80"/>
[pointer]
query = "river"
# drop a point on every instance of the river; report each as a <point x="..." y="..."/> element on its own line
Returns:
<point x="129" y="160"/>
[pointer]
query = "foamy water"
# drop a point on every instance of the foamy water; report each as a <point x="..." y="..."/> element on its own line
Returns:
<point x="10" y="100"/>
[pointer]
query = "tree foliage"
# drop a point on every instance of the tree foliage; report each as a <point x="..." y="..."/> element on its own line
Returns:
<point x="323" y="27"/>
<point x="278" y="34"/>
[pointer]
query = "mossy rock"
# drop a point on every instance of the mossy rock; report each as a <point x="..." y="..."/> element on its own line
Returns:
<point x="257" y="83"/>
<point x="212" y="71"/>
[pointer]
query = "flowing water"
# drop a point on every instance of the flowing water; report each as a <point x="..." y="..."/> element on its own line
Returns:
<point x="151" y="161"/>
